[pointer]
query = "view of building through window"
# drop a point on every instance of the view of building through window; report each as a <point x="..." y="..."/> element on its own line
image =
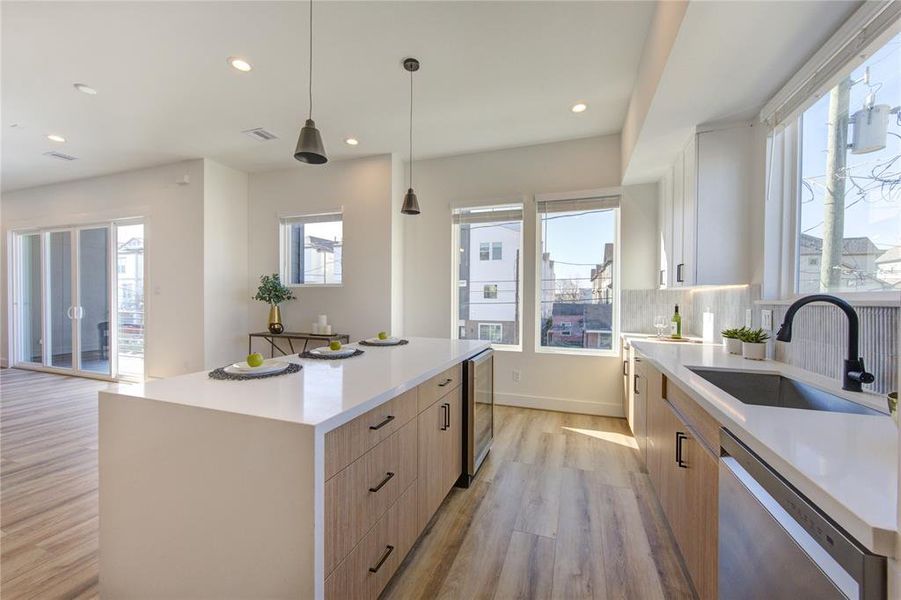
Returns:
<point x="314" y="246"/>
<point x="130" y="293"/>
<point x="577" y="284"/>
<point x="850" y="195"/>
<point x="489" y="301"/>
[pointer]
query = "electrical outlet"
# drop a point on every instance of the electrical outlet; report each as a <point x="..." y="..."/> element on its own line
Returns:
<point x="748" y="318"/>
<point x="517" y="375"/>
<point x="766" y="319"/>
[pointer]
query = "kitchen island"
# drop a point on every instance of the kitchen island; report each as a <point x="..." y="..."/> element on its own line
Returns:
<point x="313" y="484"/>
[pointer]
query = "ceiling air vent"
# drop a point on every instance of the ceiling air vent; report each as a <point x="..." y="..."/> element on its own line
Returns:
<point x="60" y="155"/>
<point x="260" y="134"/>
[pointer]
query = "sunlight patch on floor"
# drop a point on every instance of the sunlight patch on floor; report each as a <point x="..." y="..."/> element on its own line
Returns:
<point x="608" y="436"/>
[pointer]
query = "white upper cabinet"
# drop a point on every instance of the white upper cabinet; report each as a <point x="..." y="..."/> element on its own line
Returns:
<point x="704" y="203"/>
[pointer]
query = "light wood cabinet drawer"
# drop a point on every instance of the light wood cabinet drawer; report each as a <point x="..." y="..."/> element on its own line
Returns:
<point x="697" y="418"/>
<point x="368" y="568"/>
<point x="439" y="385"/>
<point x="350" y="441"/>
<point x="359" y="495"/>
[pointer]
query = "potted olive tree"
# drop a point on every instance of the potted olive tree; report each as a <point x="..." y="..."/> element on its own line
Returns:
<point x="732" y="339"/>
<point x="273" y="292"/>
<point x="753" y="344"/>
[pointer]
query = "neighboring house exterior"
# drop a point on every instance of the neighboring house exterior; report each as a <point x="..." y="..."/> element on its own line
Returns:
<point x="888" y="267"/>
<point x="602" y="277"/>
<point x="317" y="259"/>
<point x="489" y="283"/>
<point x="859" y="270"/>
<point x="581" y="325"/>
<point x="548" y="285"/>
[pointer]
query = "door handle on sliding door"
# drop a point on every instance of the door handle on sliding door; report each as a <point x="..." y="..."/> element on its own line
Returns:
<point x="79" y="312"/>
<point x="71" y="312"/>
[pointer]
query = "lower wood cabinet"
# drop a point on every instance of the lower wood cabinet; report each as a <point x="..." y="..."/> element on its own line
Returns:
<point x="684" y="473"/>
<point x="440" y="452"/>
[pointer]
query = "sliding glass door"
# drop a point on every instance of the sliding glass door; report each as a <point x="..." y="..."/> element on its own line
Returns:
<point x="70" y="307"/>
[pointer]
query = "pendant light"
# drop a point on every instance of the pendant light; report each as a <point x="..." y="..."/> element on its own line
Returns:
<point x="309" y="145"/>
<point x="411" y="204"/>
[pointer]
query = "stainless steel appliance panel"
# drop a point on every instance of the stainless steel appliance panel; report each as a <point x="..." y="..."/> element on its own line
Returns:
<point x="478" y="412"/>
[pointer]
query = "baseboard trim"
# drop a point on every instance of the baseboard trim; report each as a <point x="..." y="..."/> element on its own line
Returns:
<point x="583" y="407"/>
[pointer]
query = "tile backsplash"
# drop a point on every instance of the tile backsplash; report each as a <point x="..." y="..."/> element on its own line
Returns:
<point x="820" y="340"/>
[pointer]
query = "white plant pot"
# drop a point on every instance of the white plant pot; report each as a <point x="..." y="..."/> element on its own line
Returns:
<point x="733" y="346"/>
<point x="754" y="351"/>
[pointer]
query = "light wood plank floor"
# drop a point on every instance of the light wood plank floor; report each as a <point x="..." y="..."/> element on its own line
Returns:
<point x="561" y="508"/>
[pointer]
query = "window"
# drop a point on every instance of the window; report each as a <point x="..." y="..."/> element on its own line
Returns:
<point x="312" y="248"/>
<point x="488" y="302"/>
<point x="849" y="215"/>
<point x="577" y="274"/>
<point x="491" y="251"/>
<point x="491" y="332"/>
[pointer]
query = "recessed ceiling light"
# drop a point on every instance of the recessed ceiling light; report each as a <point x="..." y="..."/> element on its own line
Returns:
<point x="240" y="64"/>
<point x="580" y="107"/>
<point x="351" y="141"/>
<point x="85" y="89"/>
<point x="56" y="138"/>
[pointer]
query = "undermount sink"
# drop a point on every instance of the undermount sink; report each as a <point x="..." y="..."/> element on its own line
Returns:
<point x="767" y="389"/>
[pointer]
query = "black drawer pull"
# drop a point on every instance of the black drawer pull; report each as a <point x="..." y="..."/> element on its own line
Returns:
<point x="635" y="384"/>
<point x="382" y="483"/>
<point x="378" y="565"/>
<point x="445" y="409"/>
<point x="446" y="381"/>
<point x="626" y="368"/>
<point x="387" y="420"/>
<point x="679" y="437"/>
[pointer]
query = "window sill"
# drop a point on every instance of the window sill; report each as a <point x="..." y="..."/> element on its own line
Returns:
<point x="504" y="347"/>
<point x="314" y="285"/>
<point x="577" y="352"/>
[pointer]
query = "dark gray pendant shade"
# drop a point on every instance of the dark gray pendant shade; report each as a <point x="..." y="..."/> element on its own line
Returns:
<point x="309" y="145"/>
<point x="411" y="204"/>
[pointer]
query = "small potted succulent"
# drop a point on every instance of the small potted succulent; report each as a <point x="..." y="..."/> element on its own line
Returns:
<point x="273" y="292"/>
<point x="753" y="344"/>
<point x="732" y="339"/>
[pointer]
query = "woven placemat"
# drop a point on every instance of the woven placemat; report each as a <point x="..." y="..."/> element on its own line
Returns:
<point x="400" y="343"/>
<point x="221" y="375"/>
<point x="308" y="354"/>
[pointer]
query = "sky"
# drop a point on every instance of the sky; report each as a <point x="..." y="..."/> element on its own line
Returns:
<point x="578" y="238"/>
<point x="877" y="216"/>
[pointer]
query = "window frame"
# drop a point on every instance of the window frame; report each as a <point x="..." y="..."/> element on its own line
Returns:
<point x="614" y="349"/>
<point x="782" y="256"/>
<point x="285" y="222"/>
<point x="518" y="201"/>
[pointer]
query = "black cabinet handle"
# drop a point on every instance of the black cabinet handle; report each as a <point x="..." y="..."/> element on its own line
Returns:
<point x="626" y="368"/>
<point x="447" y="404"/>
<point x="445" y="409"/>
<point x="679" y="274"/>
<point x="662" y="276"/>
<point x="378" y="565"/>
<point x="382" y="483"/>
<point x="446" y="381"/>
<point x="679" y="437"/>
<point x="387" y="420"/>
<point x="635" y="384"/>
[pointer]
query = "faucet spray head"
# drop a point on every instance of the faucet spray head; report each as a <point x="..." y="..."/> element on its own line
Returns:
<point x="785" y="333"/>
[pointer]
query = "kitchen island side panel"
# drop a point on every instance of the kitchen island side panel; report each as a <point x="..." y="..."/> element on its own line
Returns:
<point x="254" y="479"/>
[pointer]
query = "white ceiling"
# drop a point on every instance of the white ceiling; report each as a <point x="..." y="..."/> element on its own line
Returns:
<point x="728" y="60"/>
<point x="494" y="74"/>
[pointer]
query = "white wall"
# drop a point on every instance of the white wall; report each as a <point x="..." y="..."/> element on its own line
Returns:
<point x="363" y="188"/>
<point x="563" y="382"/>
<point x="174" y="242"/>
<point x="225" y="288"/>
<point x="638" y="237"/>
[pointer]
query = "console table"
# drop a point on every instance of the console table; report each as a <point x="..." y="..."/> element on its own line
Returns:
<point x="290" y="336"/>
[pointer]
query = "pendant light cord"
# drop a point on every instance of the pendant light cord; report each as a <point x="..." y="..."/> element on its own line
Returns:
<point x="311" y="61"/>
<point x="411" y="129"/>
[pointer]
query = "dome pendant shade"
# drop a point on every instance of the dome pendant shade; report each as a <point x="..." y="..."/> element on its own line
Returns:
<point x="411" y="204"/>
<point x="309" y="145"/>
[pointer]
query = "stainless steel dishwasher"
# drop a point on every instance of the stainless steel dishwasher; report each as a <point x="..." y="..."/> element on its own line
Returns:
<point x="478" y="413"/>
<point x="775" y="544"/>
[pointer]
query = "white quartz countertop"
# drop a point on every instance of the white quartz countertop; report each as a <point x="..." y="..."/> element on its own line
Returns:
<point x="325" y="393"/>
<point x="846" y="464"/>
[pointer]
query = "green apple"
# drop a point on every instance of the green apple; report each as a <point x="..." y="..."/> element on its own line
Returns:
<point x="383" y="335"/>
<point x="336" y="345"/>
<point x="255" y="359"/>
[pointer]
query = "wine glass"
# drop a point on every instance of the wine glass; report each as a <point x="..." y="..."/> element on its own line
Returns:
<point x="660" y="324"/>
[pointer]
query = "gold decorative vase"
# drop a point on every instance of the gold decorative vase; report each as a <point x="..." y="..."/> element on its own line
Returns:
<point x="275" y="320"/>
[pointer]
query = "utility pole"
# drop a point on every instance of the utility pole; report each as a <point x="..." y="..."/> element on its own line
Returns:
<point x="834" y="201"/>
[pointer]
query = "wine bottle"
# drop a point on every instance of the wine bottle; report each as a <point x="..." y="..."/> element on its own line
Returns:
<point x="676" y="325"/>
